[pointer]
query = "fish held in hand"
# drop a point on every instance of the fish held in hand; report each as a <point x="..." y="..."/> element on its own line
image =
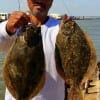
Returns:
<point x="24" y="65"/>
<point x="75" y="57"/>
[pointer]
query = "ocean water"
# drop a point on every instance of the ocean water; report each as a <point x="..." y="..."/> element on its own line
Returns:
<point x="2" y="86"/>
<point x="93" y="29"/>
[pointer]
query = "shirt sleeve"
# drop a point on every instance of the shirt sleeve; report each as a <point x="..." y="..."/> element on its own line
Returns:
<point x="5" y="40"/>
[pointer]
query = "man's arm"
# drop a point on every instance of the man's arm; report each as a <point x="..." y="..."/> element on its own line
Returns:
<point x="8" y="28"/>
<point x="5" y="39"/>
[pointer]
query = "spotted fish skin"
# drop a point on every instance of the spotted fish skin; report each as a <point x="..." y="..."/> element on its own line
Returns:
<point x="24" y="65"/>
<point x="75" y="57"/>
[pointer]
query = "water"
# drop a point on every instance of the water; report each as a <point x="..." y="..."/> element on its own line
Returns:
<point x="2" y="86"/>
<point x="91" y="26"/>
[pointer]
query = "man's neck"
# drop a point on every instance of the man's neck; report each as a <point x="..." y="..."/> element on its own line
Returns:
<point x="38" y="20"/>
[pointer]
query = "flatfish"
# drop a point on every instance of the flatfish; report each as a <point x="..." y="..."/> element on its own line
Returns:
<point x="24" y="65"/>
<point x="75" y="57"/>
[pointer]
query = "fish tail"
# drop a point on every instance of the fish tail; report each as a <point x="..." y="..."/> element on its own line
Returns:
<point x="74" y="93"/>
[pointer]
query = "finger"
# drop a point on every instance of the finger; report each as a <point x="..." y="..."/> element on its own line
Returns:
<point x="66" y="18"/>
<point x="19" y="15"/>
<point x="20" y="19"/>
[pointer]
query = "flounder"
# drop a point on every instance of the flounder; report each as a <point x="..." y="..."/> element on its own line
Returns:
<point x="75" y="57"/>
<point x="24" y="65"/>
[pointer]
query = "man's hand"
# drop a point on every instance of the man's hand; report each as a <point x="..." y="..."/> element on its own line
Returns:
<point x="66" y="18"/>
<point x="17" y="19"/>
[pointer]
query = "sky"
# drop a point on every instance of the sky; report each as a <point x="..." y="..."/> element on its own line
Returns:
<point x="69" y="7"/>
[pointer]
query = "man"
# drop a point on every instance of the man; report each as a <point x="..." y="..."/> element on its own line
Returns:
<point x="54" y="86"/>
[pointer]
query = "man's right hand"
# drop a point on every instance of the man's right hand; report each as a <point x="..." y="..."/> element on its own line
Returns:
<point x="17" y="19"/>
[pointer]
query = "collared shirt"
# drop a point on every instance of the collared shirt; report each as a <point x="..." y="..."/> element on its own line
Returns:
<point x="54" y="85"/>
